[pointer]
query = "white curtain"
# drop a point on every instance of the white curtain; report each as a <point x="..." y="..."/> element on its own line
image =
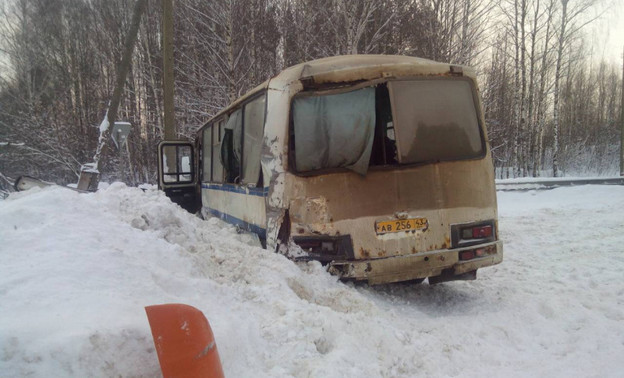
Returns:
<point x="333" y="131"/>
<point x="252" y="142"/>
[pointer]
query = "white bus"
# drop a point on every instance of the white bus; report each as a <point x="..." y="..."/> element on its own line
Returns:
<point x="377" y="166"/>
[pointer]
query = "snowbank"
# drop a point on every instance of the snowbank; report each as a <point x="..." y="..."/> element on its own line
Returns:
<point x="77" y="270"/>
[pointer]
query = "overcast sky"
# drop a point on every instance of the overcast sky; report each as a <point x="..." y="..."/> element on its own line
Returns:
<point x="607" y="33"/>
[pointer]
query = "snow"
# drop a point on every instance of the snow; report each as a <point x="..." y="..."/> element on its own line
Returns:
<point x="104" y="125"/>
<point x="77" y="270"/>
<point x="89" y="167"/>
<point x="537" y="180"/>
<point x="535" y="183"/>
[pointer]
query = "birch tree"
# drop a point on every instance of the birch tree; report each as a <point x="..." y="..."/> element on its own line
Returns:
<point x="569" y="25"/>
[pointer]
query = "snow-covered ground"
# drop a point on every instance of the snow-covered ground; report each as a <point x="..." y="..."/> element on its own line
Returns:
<point x="76" y="271"/>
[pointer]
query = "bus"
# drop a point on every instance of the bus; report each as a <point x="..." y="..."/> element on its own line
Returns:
<point x="376" y="166"/>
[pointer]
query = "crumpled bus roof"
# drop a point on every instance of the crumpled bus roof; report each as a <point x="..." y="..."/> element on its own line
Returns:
<point x="347" y="68"/>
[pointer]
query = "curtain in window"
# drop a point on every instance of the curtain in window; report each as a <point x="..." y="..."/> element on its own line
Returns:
<point x="252" y="142"/>
<point x="231" y="146"/>
<point x="235" y="123"/>
<point x="217" y="166"/>
<point x="333" y="131"/>
<point x="206" y="153"/>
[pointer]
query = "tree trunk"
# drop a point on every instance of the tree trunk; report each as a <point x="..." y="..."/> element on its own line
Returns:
<point x="168" y="83"/>
<point x="516" y="106"/>
<point x="522" y="125"/>
<point x="91" y="171"/>
<point x="556" y="120"/>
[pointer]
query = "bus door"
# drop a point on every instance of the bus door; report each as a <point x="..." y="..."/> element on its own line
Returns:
<point x="177" y="174"/>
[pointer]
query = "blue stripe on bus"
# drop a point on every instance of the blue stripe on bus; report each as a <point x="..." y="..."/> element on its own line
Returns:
<point x="261" y="232"/>
<point x="260" y="192"/>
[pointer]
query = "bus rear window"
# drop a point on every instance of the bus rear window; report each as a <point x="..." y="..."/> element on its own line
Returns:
<point x="434" y="120"/>
<point x="394" y="123"/>
<point x="334" y="131"/>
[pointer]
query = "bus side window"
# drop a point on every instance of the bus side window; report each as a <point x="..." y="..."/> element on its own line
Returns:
<point x="231" y="148"/>
<point x="217" y="136"/>
<point x="252" y="140"/>
<point x="207" y="154"/>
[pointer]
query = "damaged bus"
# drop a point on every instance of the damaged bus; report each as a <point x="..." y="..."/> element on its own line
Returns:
<point x="377" y="166"/>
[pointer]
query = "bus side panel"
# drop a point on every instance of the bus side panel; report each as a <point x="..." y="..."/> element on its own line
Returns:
<point x="244" y="207"/>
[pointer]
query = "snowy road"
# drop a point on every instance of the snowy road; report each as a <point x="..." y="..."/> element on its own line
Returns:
<point x="77" y="270"/>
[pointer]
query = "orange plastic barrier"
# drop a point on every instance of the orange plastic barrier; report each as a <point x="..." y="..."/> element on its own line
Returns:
<point x="184" y="342"/>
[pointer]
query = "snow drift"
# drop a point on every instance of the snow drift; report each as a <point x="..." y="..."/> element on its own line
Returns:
<point x="77" y="270"/>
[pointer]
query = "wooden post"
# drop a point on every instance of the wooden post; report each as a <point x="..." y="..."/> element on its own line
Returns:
<point x="90" y="173"/>
<point x="168" y="85"/>
<point x="622" y="122"/>
<point x="168" y="82"/>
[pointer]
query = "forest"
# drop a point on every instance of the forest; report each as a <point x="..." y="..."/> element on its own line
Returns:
<point x="551" y="107"/>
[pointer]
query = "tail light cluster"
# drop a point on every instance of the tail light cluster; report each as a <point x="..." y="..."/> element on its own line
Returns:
<point x="463" y="235"/>
<point x="325" y="248"/>
<point x="477" y="252"/>
<point x="477" y="232"/>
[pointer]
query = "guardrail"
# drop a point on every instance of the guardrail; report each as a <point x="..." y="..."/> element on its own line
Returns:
<point x="552" y="182"/>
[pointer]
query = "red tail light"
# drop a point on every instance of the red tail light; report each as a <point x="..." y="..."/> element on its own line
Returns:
<point x="476" y="253"/>
<point x="467" y="255"/>
<point x="482" y="232"/>
<point x="478" y="232"/>
<point x="464" y="235"/>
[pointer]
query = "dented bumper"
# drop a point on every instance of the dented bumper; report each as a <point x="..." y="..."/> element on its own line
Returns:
<point x="420" y="265"/>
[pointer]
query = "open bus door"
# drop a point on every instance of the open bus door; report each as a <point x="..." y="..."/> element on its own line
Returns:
<point x="177" y="174"/>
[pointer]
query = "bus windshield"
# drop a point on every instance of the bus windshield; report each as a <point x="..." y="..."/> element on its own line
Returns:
<point x="399" y="122"/>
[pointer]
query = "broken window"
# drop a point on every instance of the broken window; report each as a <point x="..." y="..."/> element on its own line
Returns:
<point x="207" y="153"/>
<point x="252" y="141"/>
<point x="398" y="122"/>
<point x="231" y="147"/>
<point x="384" y="145"/>
<point x="217" y="166"/>
<point x="435" y="120"/>
<point x="334" y="131"/>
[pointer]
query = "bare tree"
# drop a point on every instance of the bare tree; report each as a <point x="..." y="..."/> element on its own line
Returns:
<point x="59" y="76"/>
<point x="568" y="27"/>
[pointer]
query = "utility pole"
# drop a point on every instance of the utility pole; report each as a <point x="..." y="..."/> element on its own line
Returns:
<point x="90" y="173"/>
<point x="169" y="116"/>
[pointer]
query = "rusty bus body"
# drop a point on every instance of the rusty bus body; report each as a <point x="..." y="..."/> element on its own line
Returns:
<point x="377" y="166"/>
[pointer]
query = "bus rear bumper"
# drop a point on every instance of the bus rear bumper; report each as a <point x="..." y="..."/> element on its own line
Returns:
<point x="445" y="263"/>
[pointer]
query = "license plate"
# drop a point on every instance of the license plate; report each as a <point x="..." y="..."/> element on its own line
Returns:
<point x="401" y="225"/>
